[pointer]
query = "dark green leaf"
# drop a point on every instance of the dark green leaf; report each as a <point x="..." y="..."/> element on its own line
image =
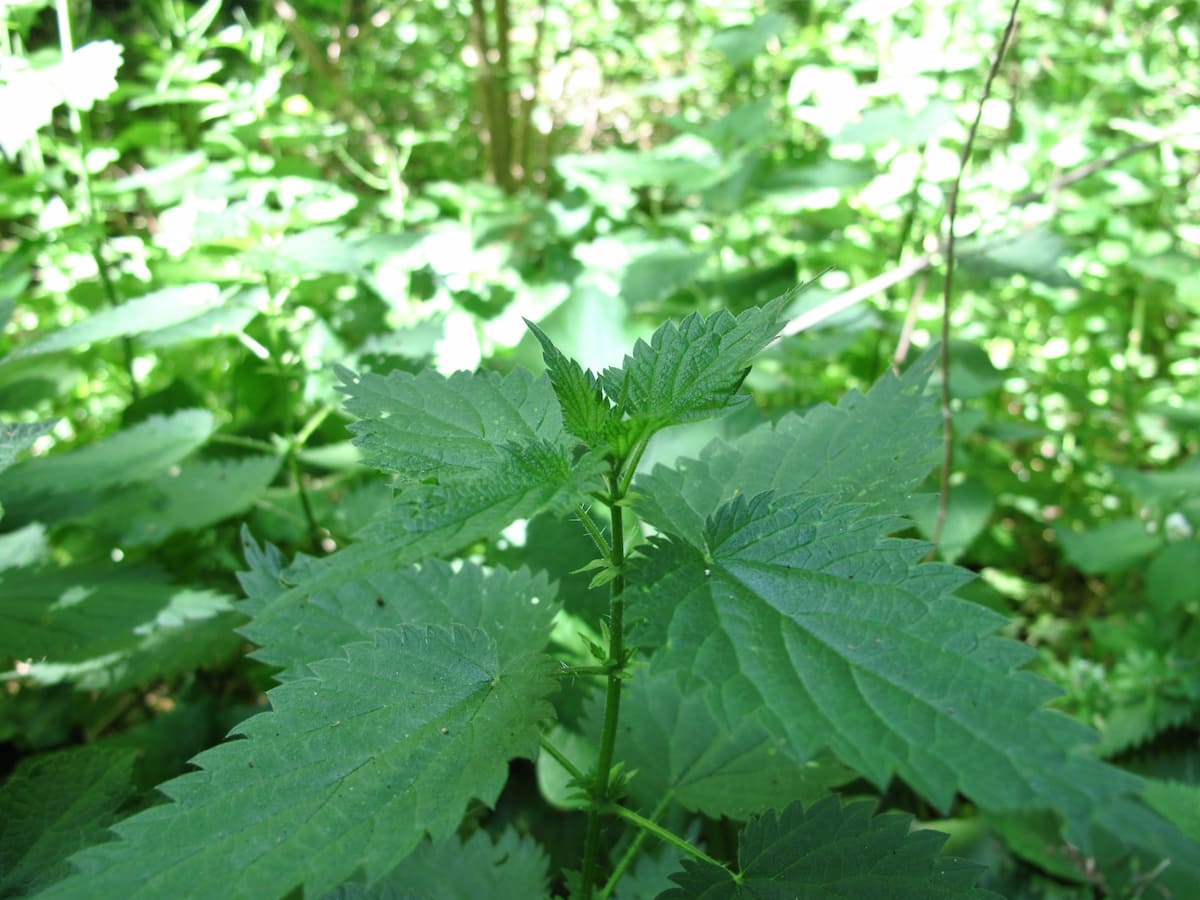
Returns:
<point x="346" y="773"/>
<point x="833" y="851"/>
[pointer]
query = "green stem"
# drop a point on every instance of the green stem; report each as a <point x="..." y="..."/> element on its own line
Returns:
<point x="597" y="537"/>
<point x="632" y="851"/>
<point x="634" y="459"/>
<point x="236" y="440"/>
<point x="583" y="670"/>
<point x="669" y="837"/>
<point x="612" y="697"/>
<point x="80" y="128"/>
<point x="561" y="759"/>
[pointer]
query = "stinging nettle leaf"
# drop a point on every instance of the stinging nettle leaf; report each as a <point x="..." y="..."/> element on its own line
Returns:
<point x="586" y="413"/>
<point x="517" y="608"/>
<point x="676" y="746"/>
<point x="805" y="609"/>
<point x="829" y="850"/>
<point x="430" y="426"/>
<point x="514" y="866"/>
<point x="692" y="370"/>
<point x="874" y="449"/>
<point x="54" y="805"/>
<point x="349" y="770"/>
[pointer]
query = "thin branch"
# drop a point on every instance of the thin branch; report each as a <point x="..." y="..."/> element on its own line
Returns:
<point x="948" y="283"/>
<point x="918" y="264"/>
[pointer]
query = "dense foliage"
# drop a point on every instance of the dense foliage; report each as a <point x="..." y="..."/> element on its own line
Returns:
<point x="325" y="421"/>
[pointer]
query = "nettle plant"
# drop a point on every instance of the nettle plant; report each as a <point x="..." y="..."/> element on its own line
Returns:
<point x="767" y="640"/>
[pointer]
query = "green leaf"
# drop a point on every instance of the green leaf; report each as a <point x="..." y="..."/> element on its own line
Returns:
<point x="514" y="866"/>
<point x="873" y="449"/>
<point x="192" y="495"/>
<point x="676" y="746"/>
<point x="1111" y="547"/>
<point x="833" y="851"/>
<point x="18" y="436"/>
<point x="429" y="426"/>
<point x="160" y="310"/>
<point x="516" y="607"/>
<point x="1037" y="253"/>
<point x="1171" y="582"/>
<point x="586" y="414"/>
<point x="692" y="371"/>
<point x="967" y="514"/>
<point x="108" y="627"/>
<point x="652" y="277"/>
<point x="129" y="456"/>
<point x="802" y="607"/>
<point x="54" y="805"/>
<point x="346" y="773"/>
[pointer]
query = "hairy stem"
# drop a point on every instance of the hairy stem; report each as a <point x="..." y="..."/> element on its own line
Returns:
<point x="561" y="759"/>
<point x="612" y="697"/>
<point x="632" y="851"/>
<point x="669" y="837"/>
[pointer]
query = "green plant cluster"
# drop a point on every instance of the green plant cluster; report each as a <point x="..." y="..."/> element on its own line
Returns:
<point x="274" y="282"/>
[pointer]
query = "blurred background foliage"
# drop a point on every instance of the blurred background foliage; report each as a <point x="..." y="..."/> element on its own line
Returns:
<point x="206" y="206"/>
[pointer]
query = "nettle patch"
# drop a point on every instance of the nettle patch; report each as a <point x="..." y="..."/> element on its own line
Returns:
<point x="764" y="651"/>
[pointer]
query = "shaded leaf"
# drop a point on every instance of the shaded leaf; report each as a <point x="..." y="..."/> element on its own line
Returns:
<point x="515" y="607"/>
<point x="128" y="456"/>
<point x="676" y="746"/>
<point x="1111" y="547"/>
<point x="108" y="627"/>
<point x="193" y="495"/>
<point x="833" y="851"/>
<point x="514" y="866"/>
<point x="55" y="804"/>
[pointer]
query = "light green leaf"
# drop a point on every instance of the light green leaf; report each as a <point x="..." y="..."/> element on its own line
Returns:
<point x="18" y="436"/>
<point x="54" y="805"/>
<point x="586" y="414"/>
<point x="514" y="866"/>
<point x="24" y="547"/>
<point x="652" y="277"/>
<point x="692" y="371"/>
<point x="346" y="773"/>
<point x="895" y="122"/>
<point x="833" y="851"/>
<point x="108" y="627"/>
<point x="428" y="425"/>
<point x="160" y="310"/>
